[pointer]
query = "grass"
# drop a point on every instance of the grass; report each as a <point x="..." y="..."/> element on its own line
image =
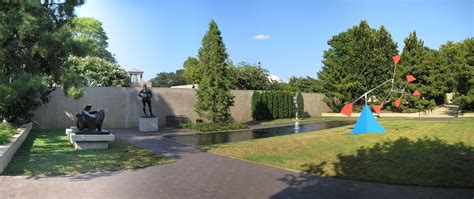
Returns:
<point x="412" y="152"/>
<point x="206" y="127"/>
<point x="48" y="152"/>
<point x="6" y="132"/>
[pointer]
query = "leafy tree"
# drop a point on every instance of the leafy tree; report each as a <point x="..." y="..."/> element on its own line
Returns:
<point x="96" y="65"/>
<point x="165" y="79"/>
<point x="192" y="70"/>
<point x="248" y="76"/>
<point x="22" y="96"/>
<point x="282" y="86"/>
<point x="99" y="72"/>
<point x="35" y="39"/>
<point x="213" y="94"/>
<point x="90" y="39"/>
<point x="305" y="84"/>
<point x="358" y="60"/>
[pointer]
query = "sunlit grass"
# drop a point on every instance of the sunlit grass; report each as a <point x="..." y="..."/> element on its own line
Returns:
<point x="6" y="132"/>
<point x="412" y="152"/>
<point x="48" y="152"/>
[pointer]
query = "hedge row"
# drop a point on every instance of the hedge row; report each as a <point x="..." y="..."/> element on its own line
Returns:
<point x="275" y="105"/>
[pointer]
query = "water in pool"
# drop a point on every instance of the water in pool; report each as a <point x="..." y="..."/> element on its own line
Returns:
<point x="224" y="137"/>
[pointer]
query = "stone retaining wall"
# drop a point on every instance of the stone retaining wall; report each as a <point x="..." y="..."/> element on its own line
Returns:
<point x="7" y="151"/>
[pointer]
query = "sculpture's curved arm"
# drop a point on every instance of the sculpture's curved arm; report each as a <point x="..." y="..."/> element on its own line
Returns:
<point x="365" y="94"/>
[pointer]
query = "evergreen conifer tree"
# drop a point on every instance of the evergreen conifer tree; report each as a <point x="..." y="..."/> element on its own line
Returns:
<point x="213" y="94"/>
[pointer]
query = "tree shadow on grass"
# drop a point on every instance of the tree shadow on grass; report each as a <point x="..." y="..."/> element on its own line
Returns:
<point x="425" y="161"/>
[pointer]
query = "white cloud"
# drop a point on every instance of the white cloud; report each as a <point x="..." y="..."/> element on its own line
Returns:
<point x="273" y="77"/>
<point x="261" y="37"/>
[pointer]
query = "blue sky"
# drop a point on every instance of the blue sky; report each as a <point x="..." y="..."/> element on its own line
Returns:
<point x="157" y="36"/>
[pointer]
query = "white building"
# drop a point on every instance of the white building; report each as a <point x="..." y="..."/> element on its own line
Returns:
<point x="136" y="77"/>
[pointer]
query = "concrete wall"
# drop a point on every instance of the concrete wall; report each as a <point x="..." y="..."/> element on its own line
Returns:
<point x="124" y="106"/>
<point x="314" y="104"/>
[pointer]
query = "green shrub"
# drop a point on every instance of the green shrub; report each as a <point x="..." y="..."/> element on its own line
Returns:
<point x="265" y="108"/>
<point x="275" y="105"/>
<point x="465" y="102"/>
<point x="6" y="132"/>
<point x="285" y="106"/>
<point x="300" y="105"/>
<point x="209" y="127"/>
<point x="256" y="101"/>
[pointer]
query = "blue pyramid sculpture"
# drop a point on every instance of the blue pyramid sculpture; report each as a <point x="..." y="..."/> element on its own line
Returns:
<point x="367" y="123"/>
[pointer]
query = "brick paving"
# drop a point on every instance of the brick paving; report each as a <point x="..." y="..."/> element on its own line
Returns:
<point x="198" y="174"/>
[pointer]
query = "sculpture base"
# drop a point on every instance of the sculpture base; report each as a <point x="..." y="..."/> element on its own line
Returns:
<point x="88" y="141"/>
<point x="91" y="145"/>
<point x="148" y="124"/>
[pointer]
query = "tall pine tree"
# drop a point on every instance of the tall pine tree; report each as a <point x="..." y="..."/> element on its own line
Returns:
<point x="213" y="94"/>
<point x="434" y="79"/>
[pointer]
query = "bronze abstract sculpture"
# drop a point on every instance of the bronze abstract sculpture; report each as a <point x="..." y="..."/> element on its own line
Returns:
<point x="90" y="122"/>
<point x="146" y="96"/>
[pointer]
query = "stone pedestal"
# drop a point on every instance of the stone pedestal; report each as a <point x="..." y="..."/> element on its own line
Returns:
<point x="88" y="142"/>
<point x="148" y="124"/>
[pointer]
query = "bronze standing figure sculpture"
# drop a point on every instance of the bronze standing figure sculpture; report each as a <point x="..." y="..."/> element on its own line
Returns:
<point x="146" y="96"/>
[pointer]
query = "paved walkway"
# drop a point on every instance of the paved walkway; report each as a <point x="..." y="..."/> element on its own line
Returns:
<point x="444" y="111"/>
<point x="198" y="174"/>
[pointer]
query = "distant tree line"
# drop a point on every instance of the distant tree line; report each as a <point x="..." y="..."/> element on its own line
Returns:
<point x="243" y="76"/>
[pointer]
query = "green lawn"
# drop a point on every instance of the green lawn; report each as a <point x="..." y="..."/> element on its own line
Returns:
<point x="6" y="132"/>
<point x="412" y="152"/>
<point x="48" y="152"/>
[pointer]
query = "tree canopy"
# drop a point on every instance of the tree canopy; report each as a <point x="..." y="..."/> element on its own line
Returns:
<point x="43" y="47"/>
<point x="90" y="57"/>
<point x="247" y="76"/>
<point x="90" y="39"/>
<point x="305" y="84"/>
<point x="460" y="60"/>
<point x="358" y="59"/>
<point x="165" y="79"/>
<point x="96" y="71"/>
<point x="35" y="37"/>
<point x="192" y="70"/>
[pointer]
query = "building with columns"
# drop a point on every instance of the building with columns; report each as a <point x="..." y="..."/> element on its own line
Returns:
<point x="136" y="77"/>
